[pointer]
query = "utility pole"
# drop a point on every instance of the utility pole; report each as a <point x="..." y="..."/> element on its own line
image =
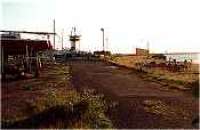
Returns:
<point x="62" y="38"/>
<point x="54" y="37"/>
<point x="106" y="48"/>
<point x="102" y="29"/>
<point x="148" y="49"/>
<point x="148" y="44"/>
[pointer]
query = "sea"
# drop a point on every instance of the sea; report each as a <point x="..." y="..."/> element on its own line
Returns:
<point x="195" y="57"/>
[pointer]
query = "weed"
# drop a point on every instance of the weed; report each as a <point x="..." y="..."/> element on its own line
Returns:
<point x="27" y="87"/>
<point x="73" y="110"/>
<point x="168" y="112"/>
<point x="179" y="82"/>
<point x="95" y="114"/>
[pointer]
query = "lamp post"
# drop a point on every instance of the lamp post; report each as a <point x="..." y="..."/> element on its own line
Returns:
<point x="102" y="29"/>
<point x="54" y="36"/>
<point x="62" y="39"/>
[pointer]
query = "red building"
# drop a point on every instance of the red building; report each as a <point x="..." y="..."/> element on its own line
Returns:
<point x="24" y="49"/>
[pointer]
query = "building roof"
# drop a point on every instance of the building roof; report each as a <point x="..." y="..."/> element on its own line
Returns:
<point x="18" y="46"/>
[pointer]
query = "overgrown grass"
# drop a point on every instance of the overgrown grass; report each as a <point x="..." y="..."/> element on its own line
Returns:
<point x="168" y="112"/>
<point x="178" y="78"/>
<point x="28" y="87"/>
<point x="95" y="114"/>
<point x="73" y="110"/>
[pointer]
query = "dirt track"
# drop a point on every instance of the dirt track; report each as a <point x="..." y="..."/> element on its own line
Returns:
<point x="171" y="108"/>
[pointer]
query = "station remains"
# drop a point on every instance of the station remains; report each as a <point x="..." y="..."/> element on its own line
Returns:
<point x="20" y="56"/>
<point x="142" y="52"/>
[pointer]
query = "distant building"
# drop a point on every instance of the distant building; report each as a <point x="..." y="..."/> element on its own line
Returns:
<point x="99" y="53"/>
<point x="142" y="52"/>
<point x="10" y="35"/>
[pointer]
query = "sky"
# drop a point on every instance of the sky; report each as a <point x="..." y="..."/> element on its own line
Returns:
<point x="167" y="25"/>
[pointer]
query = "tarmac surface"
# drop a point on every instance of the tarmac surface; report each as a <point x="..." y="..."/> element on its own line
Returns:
<point x="139" y="103"/>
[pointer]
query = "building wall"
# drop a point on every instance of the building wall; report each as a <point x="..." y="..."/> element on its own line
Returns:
<point x="142" y="52"/>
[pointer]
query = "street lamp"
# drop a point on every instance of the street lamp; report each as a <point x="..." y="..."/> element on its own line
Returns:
<point x="62" y="39"/>
<point x="54" y="36"/>
<point x="102" y="29"/>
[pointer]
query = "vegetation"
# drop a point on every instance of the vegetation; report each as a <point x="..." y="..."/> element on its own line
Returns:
<point x="74" y="110"/>
<point x="195" y="89"/>
<point x="159" y="107"/>
<point x="51" y="102"/>
<point x="176" y="79"/>
<point x="27" y="87"/>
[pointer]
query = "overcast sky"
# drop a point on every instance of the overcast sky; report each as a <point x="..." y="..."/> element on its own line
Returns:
<point x="168" y="25"/>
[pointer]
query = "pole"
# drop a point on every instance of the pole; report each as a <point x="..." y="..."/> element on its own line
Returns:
<point x="103" y="39"/>
<point x="62" y="38"/>
<point x="27" y="58"/>
<point x="106" y="46"/>
<point x="79" y="46"/>
<point x="54" y="37"/>
<point x="103" y="46"/>
<point x="148" y="49"/>
<point x="102" y="29"/>
<point x="2" y="61"/>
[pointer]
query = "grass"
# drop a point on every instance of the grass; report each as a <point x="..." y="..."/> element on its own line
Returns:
<point x="75" y="110"/>
<point x="55" y="104"/>
<point x="28" y="87"/>
<point x="160" y="75"/>
<point x="168" y="112"/>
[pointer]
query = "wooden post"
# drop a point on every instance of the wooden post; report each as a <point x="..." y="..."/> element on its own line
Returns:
<point x="27" y="56"/>
<point x="2" y="63"/>
<point x="30" y="60"/>
<point x="37" y="67"/>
